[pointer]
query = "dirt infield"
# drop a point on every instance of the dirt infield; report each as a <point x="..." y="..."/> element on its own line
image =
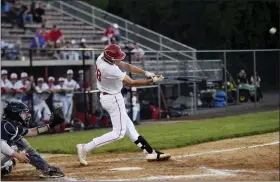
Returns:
<point x="246" y="158"/>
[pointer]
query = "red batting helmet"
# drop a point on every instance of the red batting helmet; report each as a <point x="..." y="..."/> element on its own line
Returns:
<point x="113" y="53"/>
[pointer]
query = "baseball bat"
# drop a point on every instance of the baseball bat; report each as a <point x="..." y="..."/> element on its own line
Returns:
<point x="186" y="78"/>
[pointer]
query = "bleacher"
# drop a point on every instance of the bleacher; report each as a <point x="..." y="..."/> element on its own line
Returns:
<point x="73" y="28"/>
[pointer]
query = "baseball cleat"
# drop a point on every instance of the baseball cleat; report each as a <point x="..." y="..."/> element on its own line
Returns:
<point x="157" y="156"/>
<point x="82" y="154"/>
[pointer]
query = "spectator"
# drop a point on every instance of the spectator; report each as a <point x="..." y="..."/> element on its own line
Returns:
<point x="41" y="13"/>
<point x="10" y="51"/>
<point x="138" y="52"/>
<point x="5" y="9"/>
<point x="117" y="33"/>
<point x="83" y="45"/>
<point x="242" y="77"/>
<point x="74" y="55"/>
<point x="57" y="53"/>
<point x="66" y="54"/>
<point x="55" y="34"/>
<point x="26" y="14"/>
<point x="15" y="15"/>
<point x="109" y="35"/>
<point x="5" y="6"/>
<point x="48" y="43"/>
<point x="38" y="41"/>
<point x="256" y="80"/>
<point x="37" y="12"/>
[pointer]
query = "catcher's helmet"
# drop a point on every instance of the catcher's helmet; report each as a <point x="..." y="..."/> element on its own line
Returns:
<point x="17" y="112"/>
<point x="113" y="53"/>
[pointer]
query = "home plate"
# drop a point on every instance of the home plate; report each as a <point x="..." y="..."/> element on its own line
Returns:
<point x="126" y="169"/>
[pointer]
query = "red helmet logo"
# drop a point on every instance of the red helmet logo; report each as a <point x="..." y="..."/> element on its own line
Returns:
<point x="113" y="53"/>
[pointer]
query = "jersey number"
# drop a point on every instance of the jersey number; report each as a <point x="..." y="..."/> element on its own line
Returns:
<point x="98" y="75"/>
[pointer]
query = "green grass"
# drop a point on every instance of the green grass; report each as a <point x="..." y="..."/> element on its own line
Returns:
<point x="163" y="136"/>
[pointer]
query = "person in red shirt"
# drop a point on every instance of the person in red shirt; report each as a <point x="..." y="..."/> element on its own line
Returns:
<point x="109" y="35"/>
<point x="55" y="34"/>
<point x="42" y="30"/>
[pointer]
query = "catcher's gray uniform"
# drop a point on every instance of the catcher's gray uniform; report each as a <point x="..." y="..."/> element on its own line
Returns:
<point x="13" y="133"/>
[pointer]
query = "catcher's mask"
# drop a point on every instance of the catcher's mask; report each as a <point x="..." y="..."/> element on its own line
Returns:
<point x="17" y="112"/>
<point x="113" y="53"/>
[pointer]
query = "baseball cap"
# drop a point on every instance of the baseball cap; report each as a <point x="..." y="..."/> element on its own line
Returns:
<point x="69" y="72"/>
<point x="81" y="71"/>
<point x="40" y="79"/>
<point x="83" y="40"/>
<point x="73" y="42"/>
<point x="51" y="78"/>
<point x="23" y="75"/>
<point x="58" y="41"/>
<point x="4" y="72"/>
<point x="133" y="89"/>
<point x="13" y="76"/>
<point x="61" y="79"/>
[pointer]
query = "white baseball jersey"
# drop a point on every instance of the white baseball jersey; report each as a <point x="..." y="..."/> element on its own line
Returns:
<point x="7" y="85"/>
<point x="57" y="97"/>
<point x="39" y="97"/>
<point x="109" y="77"/>
<point x="20" y="85"/>
<point x="72" y="85"/>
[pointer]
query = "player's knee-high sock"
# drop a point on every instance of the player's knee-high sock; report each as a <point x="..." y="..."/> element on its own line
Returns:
<point x="144" y="145"/>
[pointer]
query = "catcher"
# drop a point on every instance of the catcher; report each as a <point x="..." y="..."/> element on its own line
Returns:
<point x="15" y="119"/>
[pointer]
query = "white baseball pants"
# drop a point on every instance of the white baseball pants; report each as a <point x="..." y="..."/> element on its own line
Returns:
<point x="42" y="108"/>
<point x="67" y="108"/>
<point x="122" y="125"/>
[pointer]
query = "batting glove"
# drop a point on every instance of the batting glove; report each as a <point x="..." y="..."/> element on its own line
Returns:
<point x="157" y="78"/>
<point x="149" y="74"/>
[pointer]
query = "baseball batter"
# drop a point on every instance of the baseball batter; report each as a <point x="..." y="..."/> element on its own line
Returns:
<point x="110" y="80"/>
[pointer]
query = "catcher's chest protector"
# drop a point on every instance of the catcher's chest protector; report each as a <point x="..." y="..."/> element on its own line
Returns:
<point x="10" y="132"/>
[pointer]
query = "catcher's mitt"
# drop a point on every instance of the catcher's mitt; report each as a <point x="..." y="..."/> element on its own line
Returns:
<point x="57" y="117"/>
